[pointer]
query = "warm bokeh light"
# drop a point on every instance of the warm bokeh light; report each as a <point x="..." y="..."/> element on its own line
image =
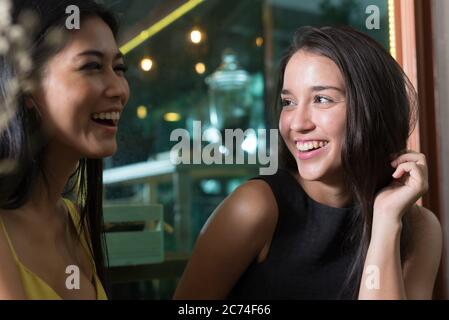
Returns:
<point x="196" y="36"/>
<point x="172" y="116"/>
<point x="259" y="41"/>
<point x="142" y="112"/>
<point x="200" y="68"/>
<point x="146" y="64"/>
<point x="391" y="28"/>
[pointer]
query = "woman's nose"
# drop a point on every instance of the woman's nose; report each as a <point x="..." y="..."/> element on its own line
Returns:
<point x="117" y="87"/>
<point x="301" y="119"/>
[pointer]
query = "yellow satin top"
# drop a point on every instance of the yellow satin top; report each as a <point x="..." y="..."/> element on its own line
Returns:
<point x="35" y="287"/>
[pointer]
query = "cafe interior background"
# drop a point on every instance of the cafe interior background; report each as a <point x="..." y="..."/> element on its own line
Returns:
<point x="216" y="61"/>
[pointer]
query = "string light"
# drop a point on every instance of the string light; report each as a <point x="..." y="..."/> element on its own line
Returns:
<point x="172" y="117"/>
<point x="200" y="68"/>
<point x="146" y="64"/>
<point x="142" y="112"/>
<point x="196" y="36"/>
<point x="392" y="28"/>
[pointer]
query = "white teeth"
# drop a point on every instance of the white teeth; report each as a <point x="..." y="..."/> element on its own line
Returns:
<point x="310" y="145"/>
<point x="106" y="115"/>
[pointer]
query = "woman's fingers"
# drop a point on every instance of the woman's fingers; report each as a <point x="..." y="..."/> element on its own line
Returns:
<point x="410" y="157"/>
<point x="415" y="170"/>
<point x="406" y="167"/>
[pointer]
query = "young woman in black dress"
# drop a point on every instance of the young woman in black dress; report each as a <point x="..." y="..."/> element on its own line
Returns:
<point x="338" y="220"/>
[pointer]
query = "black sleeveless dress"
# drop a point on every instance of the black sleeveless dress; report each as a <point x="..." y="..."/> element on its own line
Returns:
<point x="308" y="257"/>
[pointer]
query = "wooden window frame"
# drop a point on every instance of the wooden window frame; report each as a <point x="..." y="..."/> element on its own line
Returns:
<point x="415" y="53"/>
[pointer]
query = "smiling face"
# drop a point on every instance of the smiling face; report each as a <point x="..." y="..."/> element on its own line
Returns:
<point x="83" y="91"/>
<point x="313" y="116"/>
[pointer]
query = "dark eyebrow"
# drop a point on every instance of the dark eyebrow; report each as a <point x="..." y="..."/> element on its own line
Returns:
<point x="321" y="88"/>
<point x="315" y="88"/>
<point x="99" y="54"/>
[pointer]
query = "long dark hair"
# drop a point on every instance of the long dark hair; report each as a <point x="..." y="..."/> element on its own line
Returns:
<point x="381" y="114"/>
<point x="23" y="140"/>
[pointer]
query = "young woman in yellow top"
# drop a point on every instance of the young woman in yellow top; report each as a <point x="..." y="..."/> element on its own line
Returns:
<point x="57" y="138"/>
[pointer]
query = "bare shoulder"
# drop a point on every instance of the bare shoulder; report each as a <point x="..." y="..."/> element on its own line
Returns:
<point x="250" y="214"/>
<point x="251" y="205"/>
<point x="426" y="234"/>
<point x="423" y="259"/>
<point x="234" y="235"/>
<point x="424" y="223"/>
<point x="255" y="194"/>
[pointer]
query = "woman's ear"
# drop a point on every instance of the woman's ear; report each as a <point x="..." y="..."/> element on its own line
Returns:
<point x="30" y="103"/>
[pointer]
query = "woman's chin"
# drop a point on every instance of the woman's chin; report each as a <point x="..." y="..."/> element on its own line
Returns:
<point x="310" y="177"/>
<point x="310" y="174"/>
<point x="102" y="152"/>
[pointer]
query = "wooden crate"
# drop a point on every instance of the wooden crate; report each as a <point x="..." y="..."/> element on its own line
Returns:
<point x="134" y="234"/>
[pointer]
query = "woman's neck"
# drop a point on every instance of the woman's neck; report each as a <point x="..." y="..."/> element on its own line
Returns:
<point x="330" y="192"/>
<point x="59" y="164"/>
